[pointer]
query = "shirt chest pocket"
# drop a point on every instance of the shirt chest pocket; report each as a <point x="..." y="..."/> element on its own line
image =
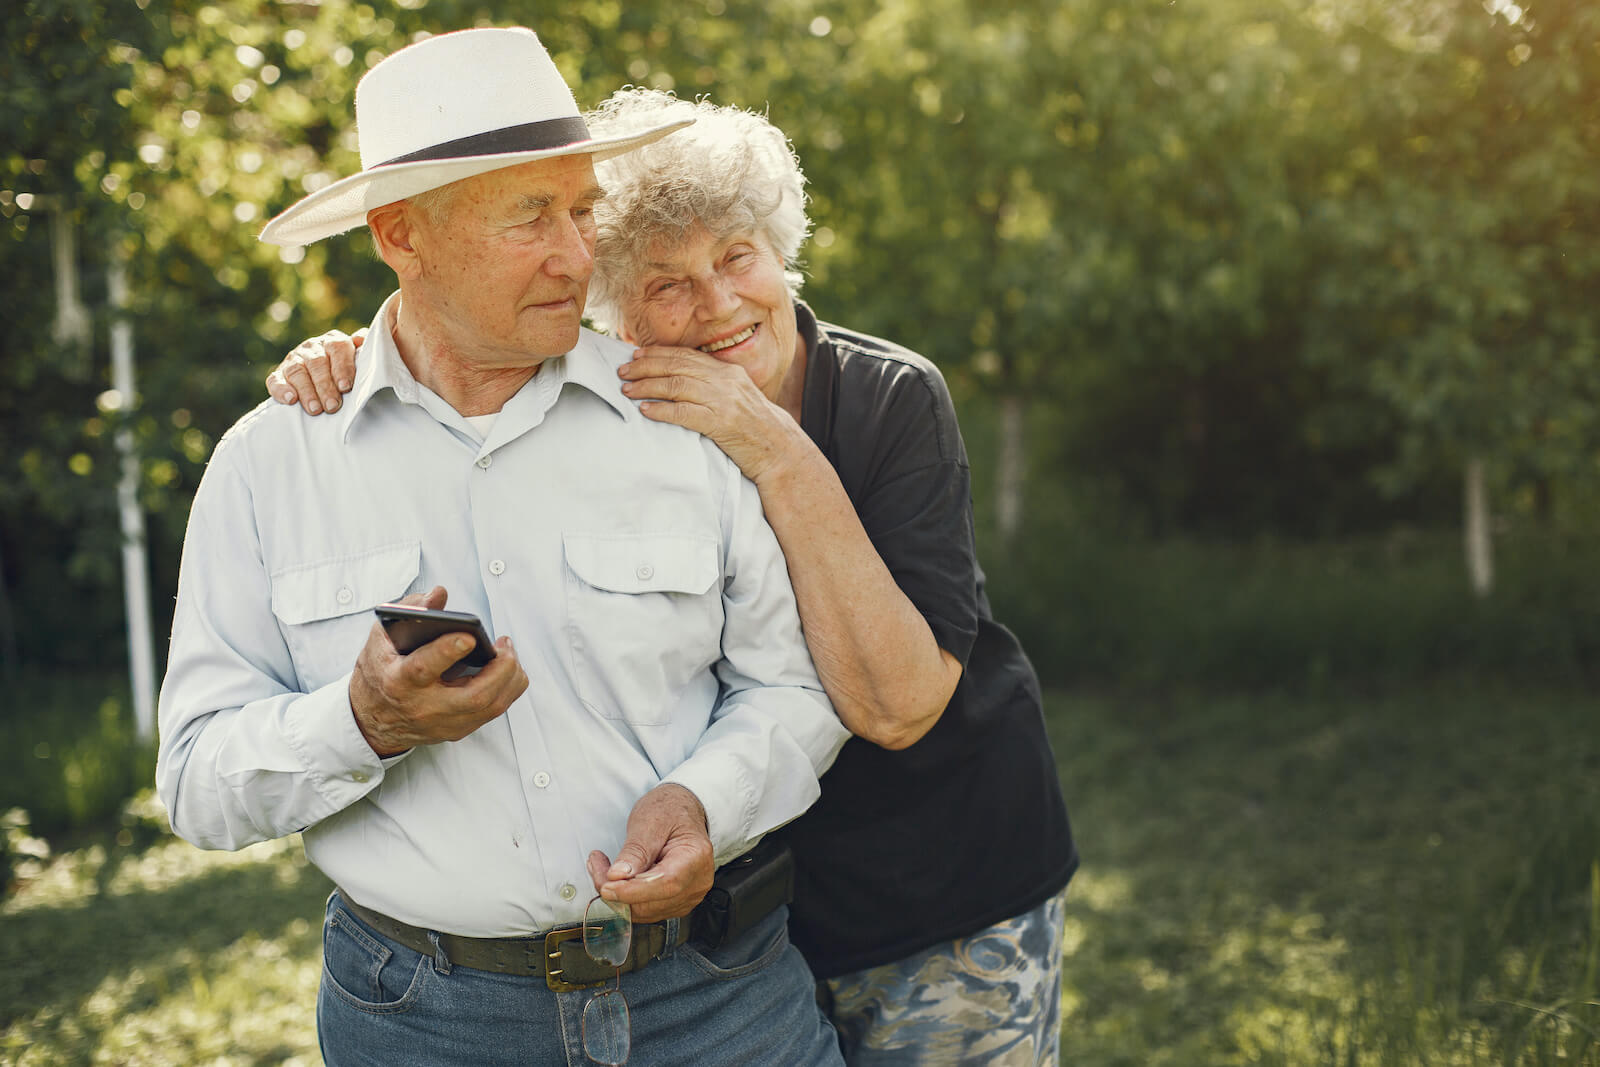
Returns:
<point x="644" y="620"/>
<point x="324" y="607"/>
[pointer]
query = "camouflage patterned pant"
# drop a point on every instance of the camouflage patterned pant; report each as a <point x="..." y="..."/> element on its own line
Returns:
<point x="992" y="998"/>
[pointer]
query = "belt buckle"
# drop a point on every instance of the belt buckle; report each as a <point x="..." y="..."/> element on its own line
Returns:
<point x="553" y="942"/>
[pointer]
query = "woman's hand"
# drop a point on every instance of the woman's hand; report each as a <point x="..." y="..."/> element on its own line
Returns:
<point x="702" y="393"/>
<point x="318" y="372"/>
<point x="876" y="655"/>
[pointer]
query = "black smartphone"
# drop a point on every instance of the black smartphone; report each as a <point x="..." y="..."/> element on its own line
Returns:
<point x="409" y="628"/>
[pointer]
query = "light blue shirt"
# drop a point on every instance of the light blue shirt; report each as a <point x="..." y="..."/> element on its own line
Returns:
<point x="630" y="564"/>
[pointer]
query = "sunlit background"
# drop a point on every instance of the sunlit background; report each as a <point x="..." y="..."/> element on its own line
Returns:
<point x="1273" y="327"/>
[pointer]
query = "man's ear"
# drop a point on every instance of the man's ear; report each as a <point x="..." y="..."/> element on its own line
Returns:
<point x="393" y="234"/>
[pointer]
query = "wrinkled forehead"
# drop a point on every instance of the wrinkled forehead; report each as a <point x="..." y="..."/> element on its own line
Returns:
<point x="542" y="180"/>
<point x="697" y="247"/>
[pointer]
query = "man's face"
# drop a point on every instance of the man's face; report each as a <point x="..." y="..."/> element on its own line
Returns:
<point x="726" y="296"/>
<point x="504" y="272"/>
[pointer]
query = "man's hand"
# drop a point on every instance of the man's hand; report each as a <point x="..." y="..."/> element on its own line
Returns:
<point x="665" y="866"/>
<point x="399" y="701"/>
<point x="318" y="371"/>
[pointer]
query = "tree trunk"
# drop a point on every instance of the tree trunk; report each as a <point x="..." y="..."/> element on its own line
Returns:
<point x="1013" y="468"/>
<point x="73" y="326"/>
<point x="1479" y="547"/>
<point x="135" y="567"/>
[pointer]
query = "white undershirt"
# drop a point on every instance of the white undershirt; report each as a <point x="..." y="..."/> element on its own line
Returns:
<point x="481" y="423"/>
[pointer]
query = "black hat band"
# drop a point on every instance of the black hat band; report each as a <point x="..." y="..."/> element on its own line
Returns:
<point x="529" y="137"/>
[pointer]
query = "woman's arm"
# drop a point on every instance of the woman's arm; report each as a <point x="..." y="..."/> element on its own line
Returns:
<point x="876" y="655"/>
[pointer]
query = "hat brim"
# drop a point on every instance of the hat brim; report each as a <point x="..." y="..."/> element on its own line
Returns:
<point x="344" y="205"/>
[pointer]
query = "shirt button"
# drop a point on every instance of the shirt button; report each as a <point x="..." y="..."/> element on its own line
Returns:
<point x="359" y="776"/>
<point x="497" y="566"/>
<point x="484" y="462"/>
<point x="568" y="891"/>
<point x="344" y="595"/>
<point x="541" y="779"/>
<point x="645" y="572"/>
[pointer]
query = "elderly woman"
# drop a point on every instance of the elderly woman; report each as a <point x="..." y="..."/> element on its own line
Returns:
<point x="930" y="874"/>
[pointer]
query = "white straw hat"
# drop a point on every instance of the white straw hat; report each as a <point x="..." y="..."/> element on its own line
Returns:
<point x="445" y="109"/>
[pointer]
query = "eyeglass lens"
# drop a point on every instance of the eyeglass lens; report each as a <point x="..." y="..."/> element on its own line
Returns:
<point x="607" y="1030"/>
<point x="607" y="931"/>
<point x="607" y="938"/>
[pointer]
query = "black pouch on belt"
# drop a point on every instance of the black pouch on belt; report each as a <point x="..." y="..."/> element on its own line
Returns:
<point x="743" y="892"/>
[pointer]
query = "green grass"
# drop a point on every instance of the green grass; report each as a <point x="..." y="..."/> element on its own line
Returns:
<point x="164" y="955"/>
<point x="1394" y="877"/>
<point x="1404" y="877"/>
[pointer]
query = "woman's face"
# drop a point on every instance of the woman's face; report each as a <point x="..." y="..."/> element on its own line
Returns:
<point x="723" y="295"/>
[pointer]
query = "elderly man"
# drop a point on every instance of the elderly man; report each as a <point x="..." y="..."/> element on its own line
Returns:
<point x="658" y="705"/>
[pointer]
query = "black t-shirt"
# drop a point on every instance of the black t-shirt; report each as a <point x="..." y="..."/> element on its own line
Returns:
<point x="966" y="827"/>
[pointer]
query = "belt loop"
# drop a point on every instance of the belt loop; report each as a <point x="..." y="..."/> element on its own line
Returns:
<point x="441" y="959"/>
<point x="671" y="946"/>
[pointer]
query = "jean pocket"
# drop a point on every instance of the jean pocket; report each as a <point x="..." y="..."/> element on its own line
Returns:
<point x="366" y="972"/>
<point x="750" y="953"/>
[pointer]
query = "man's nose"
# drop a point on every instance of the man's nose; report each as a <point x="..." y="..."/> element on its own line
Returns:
<point x="571" y="250"/>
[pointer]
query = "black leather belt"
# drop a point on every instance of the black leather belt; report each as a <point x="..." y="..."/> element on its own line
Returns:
<point x="558" y="955"/>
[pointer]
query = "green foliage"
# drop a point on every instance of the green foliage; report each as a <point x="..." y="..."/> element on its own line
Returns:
<point x="68" y="754"/>
<point x="1459" y="234"/>
<point x="1260" y="268"/>
<point x="1298" y="616"/>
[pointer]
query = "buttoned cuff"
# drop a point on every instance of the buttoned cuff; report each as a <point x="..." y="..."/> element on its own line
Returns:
<point x="321" y="728"/>
<point x="721" y="788"/>
<point x="737" y="813"/>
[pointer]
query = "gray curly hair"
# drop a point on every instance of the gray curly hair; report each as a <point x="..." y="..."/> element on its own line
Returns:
<point x="733" y="171"/>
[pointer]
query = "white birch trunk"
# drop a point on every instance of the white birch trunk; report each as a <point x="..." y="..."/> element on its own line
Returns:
<point x="135" y="579"/>
<point x="1478" y="543"/>
<point x="72" y="325"/>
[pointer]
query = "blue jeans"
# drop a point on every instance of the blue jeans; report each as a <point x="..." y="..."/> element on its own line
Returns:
<point x="750" y="1002"/>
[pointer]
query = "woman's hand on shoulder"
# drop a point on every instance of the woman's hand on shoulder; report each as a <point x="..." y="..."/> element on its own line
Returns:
<point x="318" y="372"/>
<point x="702" y="393"/>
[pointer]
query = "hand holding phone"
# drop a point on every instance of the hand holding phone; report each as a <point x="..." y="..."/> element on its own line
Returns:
<point x="409" y="628"/>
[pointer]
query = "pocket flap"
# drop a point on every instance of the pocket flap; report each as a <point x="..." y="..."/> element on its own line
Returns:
<point x="644" y="563"/>
<point x="330" y="588"/>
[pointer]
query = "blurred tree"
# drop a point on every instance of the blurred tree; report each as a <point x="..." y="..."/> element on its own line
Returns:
<point x="1266" y="265"/>
<point x="1460" y="229"/>
<point x="62" y="67"/>
<point x="944" y="141"/>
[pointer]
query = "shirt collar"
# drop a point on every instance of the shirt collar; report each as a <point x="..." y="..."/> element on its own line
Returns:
<point x="593" y="364"/>
<point x="816" y="402"/>
<point x="588" y="365"/>
<point x="380" y="367"/>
